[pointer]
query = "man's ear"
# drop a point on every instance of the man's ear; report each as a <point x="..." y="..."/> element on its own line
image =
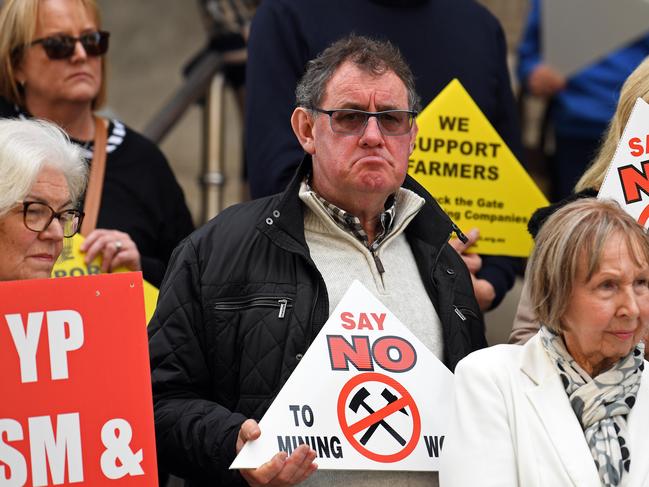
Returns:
<point x="303" y="122"/>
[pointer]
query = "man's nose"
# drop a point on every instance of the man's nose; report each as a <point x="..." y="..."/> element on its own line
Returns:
<point x="372" y="134"/>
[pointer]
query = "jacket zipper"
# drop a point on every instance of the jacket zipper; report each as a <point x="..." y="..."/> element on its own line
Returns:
<point x="463" y="238"/>
<point x="461" y="312"/>
<point x="377" y="262"/>
<point x="262" y="301"/>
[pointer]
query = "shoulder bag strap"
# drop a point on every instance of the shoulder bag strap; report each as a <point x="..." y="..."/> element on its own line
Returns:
<point x="96" y="178"/>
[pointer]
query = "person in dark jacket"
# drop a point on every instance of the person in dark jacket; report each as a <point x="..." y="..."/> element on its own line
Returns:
<point x="440" y="40"/>
<point x="246" y="295"/>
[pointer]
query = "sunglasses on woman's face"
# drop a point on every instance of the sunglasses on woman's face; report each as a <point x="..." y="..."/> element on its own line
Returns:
<point x="62" y="46"/>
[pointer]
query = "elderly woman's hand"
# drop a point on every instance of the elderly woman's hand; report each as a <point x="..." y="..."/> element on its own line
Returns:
<point x="116" y="248"/>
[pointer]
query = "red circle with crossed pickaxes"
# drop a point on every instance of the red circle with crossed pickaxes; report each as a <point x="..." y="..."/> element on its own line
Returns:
<point x="380" y="410"/>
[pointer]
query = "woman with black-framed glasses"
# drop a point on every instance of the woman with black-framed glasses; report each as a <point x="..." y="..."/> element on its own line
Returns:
<point x="52" y="66"/>
<point x="42" y="176"/>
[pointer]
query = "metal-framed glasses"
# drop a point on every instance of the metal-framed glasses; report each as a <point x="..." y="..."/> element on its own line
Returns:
<point x="62" y="46"/>
<point x="38" y="216"/>
<point x="353" y="122"/>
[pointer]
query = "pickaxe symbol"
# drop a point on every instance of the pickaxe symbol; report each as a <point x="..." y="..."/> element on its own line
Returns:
<point x="359" y="400"/>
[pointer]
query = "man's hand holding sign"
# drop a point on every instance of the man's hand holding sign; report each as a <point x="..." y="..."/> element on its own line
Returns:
<point x="281" y="469"/>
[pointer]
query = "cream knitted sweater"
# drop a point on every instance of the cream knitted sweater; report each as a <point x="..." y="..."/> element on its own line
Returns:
<point x="341" y="258"/>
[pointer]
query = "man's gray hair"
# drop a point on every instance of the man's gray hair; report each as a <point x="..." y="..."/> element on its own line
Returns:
<point x="574" y="236"/>
<point x="370" y="55"/>
<point x="26" y="146"/>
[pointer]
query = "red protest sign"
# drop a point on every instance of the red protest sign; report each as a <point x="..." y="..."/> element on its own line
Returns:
<point x="76" y="387"/>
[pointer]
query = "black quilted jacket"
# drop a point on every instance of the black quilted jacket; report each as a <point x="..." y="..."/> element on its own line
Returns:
<point x="240" y="304"/>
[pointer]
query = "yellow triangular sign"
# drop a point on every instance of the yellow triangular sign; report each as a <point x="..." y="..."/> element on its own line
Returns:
<point x="463" y="162"/>
<point x="71" y="263"/>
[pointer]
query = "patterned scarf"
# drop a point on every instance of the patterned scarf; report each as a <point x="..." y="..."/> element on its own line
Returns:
<point x="601" y="404"/>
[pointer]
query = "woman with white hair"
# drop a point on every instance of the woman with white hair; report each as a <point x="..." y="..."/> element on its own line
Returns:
<point x="570" y="406"/>
<point x="42" y="177"/>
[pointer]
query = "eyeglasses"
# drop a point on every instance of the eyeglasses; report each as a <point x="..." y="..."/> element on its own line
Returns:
<point x="62" y="46"/>
<point x="38" y="216"/>
<point x="353" y="122"/>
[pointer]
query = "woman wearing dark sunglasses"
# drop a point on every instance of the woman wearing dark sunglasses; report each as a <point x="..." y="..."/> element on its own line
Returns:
<point x="52" y="66"/>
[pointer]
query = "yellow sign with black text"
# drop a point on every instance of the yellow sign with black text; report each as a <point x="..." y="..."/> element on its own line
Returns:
<point x="71" y="264"/>
<point x="464" y="163"/>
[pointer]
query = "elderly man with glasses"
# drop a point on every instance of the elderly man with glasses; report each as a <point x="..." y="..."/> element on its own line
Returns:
<point x="245" y="296"/>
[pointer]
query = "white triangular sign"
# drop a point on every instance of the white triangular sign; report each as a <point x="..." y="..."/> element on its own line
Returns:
<point x="627" y="178"/>
<point x="602" y="27"/>
<point x="367" y="395"/>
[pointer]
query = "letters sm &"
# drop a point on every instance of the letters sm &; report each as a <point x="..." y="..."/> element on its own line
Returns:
<point x="76" y="371"/>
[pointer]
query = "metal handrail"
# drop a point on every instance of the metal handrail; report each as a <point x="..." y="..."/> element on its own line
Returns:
<point x="195" y="87"/>
<point x="205" y="83"/>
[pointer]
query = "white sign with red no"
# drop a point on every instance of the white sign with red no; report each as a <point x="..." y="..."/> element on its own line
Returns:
<point x="367" y="395"/>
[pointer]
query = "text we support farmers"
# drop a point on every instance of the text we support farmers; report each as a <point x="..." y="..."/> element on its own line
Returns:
<point x="55" y="441"/>
<point x="444" y="150"/>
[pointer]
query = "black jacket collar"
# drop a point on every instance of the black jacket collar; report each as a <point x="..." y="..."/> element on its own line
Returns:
<point x="431" y="223"/>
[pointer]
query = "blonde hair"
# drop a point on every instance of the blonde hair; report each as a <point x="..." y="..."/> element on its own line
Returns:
<point x="26" y="146"/>
<point x="636" y="86"/>
<point x="576" y="234"/>
<point x="17" y="28"/>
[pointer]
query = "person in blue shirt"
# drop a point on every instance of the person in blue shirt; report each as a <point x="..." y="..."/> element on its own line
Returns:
<point x="581" y="105"/>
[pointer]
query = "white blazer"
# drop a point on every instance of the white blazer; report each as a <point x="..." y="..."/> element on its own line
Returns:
<point x="513" y="425"/>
